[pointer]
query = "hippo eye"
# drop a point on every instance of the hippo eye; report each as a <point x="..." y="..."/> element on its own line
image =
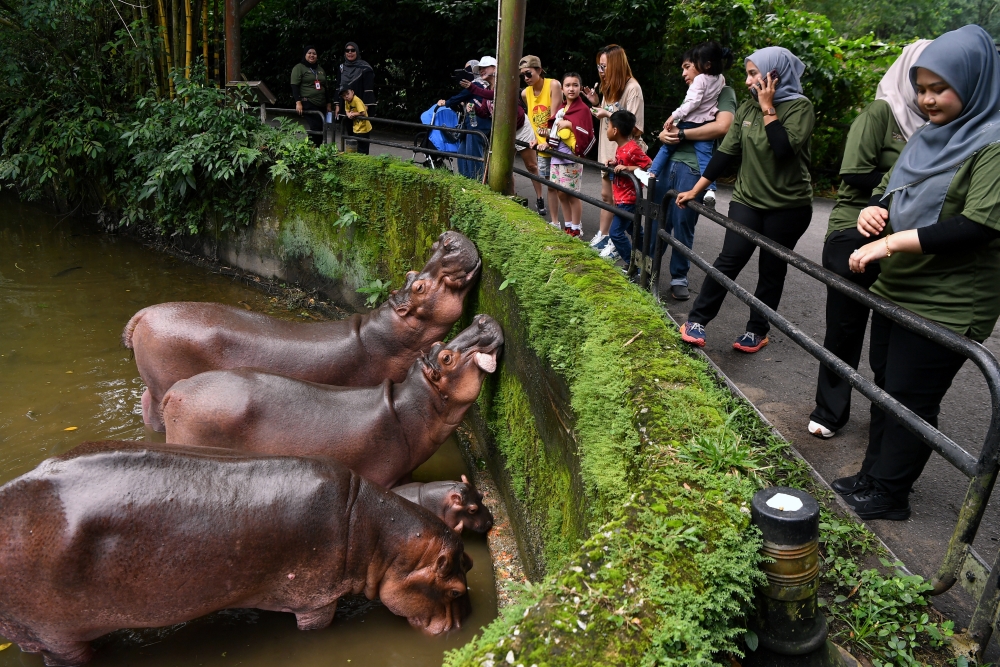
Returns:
<point x="456" y="594"/>
<point x="419" y="288"/>
<point x="446" y="359"/>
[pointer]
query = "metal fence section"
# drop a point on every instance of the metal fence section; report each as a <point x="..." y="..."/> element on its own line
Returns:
<point x="961" y="562"/>
<point x="326" y="132"/>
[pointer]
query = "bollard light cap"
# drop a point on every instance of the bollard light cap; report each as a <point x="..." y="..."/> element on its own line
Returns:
<point x="786" y="516"/>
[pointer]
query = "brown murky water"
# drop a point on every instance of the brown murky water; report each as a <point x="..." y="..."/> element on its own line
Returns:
<point x="66" y="292"/>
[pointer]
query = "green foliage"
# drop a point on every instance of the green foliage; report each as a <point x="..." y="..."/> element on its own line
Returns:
<point x="723" y="450"/>
<point x="347" y="217"/>
<point x="377" y="291"/>
<point x="840" y="77"/>
<point x="883" y="615"/>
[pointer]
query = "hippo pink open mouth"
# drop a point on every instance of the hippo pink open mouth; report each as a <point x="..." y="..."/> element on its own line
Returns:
<point x="488" y="362"/>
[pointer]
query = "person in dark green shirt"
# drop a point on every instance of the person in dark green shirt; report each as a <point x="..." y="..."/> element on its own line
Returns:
<point x="873" y="144"/>
<point x="309" y="88"/>
<point x="773" y="193"/>
<point x="939" y="207"/>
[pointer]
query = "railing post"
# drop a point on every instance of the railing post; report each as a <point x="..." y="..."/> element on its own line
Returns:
<point x="790" y="629"/>
<point x="501" y="163"/>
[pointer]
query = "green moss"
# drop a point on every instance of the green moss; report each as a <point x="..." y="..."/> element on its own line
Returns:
<point x="651" y="554"/>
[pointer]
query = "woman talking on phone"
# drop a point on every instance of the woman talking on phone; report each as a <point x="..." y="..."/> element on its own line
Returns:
<point x="939" y="207"/>
<point x="773" y="193"/>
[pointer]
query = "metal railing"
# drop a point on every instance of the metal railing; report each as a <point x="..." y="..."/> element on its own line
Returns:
<point x="961" y="562"/>
<point x="416" y="148"/>
<point x="326" y="132"/>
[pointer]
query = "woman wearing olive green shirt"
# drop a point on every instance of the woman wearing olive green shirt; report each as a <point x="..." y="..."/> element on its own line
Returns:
<point x="310" y="91"/>
<point x="877" y="136"/>
<point x="940" y="205"/>
<point x="773" y="193"/>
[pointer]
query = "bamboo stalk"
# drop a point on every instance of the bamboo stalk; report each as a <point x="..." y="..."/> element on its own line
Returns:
<point x="166" y="46"/>
<point x="218" y="42"/>
<point x="188" y="39"/>
<point x="177" y="37"/>
<point x="153" y="72"/>
<point x="204" y="37"/>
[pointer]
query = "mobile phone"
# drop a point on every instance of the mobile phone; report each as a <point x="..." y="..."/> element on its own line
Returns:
<point x="460" y="74"/>
<point x="760" y="84"/>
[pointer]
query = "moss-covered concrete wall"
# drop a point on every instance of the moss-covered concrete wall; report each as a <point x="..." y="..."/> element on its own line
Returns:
<point x="638" y="557"/>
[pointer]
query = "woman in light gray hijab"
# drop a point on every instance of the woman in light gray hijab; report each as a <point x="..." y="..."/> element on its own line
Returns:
<point x="876" y="138"/>
<point x="940" y="255"/>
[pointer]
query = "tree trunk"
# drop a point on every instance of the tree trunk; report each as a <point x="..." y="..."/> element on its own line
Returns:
<point x="204" y="37"/>
<point x="188" y="39"/>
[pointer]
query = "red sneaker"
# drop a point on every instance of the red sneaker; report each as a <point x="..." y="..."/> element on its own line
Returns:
<point x="750" y="343"/>
<point x="694" y="333"/>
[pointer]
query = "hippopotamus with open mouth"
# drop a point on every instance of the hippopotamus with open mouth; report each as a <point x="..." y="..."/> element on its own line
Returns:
<point x="458" y="504"/>
<point x="174" y="341"/>
<point x="137" y="535"/>
<point x="382" y="433"/>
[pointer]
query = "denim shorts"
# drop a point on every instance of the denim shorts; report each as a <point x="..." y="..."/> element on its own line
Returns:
<point x="543" y="166"/>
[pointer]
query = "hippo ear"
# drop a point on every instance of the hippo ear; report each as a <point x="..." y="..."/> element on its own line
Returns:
<point x="460" y="527"/>
<point x="466" y="561"/>
<point x="465" y="480"/>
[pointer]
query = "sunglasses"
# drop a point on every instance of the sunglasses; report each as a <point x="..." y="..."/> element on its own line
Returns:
<point x="350" y="51"/>
<point x="527" y="75"/>
<point x="601" y="68"/>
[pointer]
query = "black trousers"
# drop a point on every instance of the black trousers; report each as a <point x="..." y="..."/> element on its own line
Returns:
<point x="785" y="226"/>
<point x="846" y="321"/>
<point x="917" y="373"/>
<point x="363" y="146"/>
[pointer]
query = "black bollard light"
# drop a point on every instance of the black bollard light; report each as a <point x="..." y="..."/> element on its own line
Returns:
<point x="790" y="630"/>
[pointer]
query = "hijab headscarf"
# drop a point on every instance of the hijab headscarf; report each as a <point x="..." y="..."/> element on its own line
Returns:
<point x="895" y="88"/>
<point x="352" y="71"/>
<point x="305" y="62"/>
<point x="967" y="59"/>
<point x="789" y="67"/>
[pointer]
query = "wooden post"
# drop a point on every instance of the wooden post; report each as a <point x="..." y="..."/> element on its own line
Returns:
<point x="501" y="165"/>
<point x="233" y="68"/>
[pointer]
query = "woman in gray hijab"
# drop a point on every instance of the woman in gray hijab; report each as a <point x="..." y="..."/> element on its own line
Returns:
<point x="876" y="138"/>
<point x="773" y="193"/>
<point x="940" y="256"/>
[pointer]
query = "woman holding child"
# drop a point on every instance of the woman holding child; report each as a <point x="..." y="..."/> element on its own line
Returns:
<point x="939" y="210"/>
<point x="877" y="136"/>
<point x="619" y="91"/>
<point x="686" y="152"/>
<point x="773" y="192"/>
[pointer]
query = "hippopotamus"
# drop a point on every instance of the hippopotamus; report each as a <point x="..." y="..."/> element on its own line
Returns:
<point x="458" y="504"/>
<point x="117" y="535"/>
<point x="174" y="341"/>
<point x="382" y="433"/>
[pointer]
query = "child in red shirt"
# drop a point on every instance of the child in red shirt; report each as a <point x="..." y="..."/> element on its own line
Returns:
<point x="628" y="157"/>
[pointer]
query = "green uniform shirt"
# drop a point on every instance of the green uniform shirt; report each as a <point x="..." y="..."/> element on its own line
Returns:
<point x="685" y="150"/>
<point x="958" y="290"/>
<point x="305" y="78"/>
<point x="873" y="144"/>
<point x="763" y="181"/>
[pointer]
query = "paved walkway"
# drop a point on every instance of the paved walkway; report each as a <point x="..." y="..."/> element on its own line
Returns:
<point x="780" y="380"/>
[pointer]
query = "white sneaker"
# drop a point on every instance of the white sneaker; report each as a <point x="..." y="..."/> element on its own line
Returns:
<point x="820" y="431"/>
<point x="709" y="199"/>
<point x="598" y="237"/>
<point x="610" y="252"/>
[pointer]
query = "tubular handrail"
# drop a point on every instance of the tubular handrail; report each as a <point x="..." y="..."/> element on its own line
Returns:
<point x="419" y="126"/>
<point x="941" y="335"/>
<point x="566" y="156"/>
<point x="294" y="112"/>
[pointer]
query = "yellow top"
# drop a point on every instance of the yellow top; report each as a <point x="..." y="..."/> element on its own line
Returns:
<point x="539" y="107"/>
<point x="360" y="126"/>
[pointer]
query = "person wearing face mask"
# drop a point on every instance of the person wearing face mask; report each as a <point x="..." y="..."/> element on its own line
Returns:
<point x="479" y="117"/>
<point x="938" y="214"/>
<point x="309" y="89"/>
<point x="773" y="192"/>
<point x="877" y="136"/>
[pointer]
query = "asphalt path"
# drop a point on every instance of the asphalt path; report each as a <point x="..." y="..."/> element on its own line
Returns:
<point x="781" y="381"/>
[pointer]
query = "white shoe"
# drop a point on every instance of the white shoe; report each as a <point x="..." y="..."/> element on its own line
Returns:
<point x="709" y="199"/>
<point x="598" y="237"/>
<point x="820" y="431"/>
<point x="610" y="252"/>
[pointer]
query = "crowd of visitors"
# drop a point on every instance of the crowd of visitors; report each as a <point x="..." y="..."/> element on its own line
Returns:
<point x="917" y="217"/>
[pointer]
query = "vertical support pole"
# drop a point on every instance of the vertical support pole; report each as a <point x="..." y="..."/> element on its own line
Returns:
<point x="501" y="163"/>
<point x="233" y="69"/>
